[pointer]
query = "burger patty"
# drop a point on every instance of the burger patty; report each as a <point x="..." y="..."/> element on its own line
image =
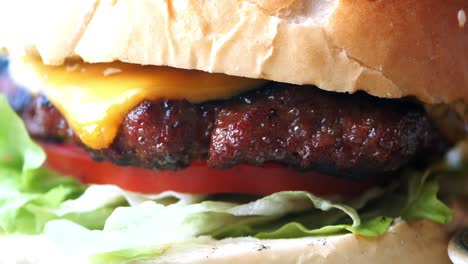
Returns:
<point x="299" y="126"/>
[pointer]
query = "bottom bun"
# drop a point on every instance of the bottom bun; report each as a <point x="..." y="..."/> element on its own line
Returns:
<point x="413" y="243"/>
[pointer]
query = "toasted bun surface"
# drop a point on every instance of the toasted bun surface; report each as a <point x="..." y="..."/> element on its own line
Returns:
<point x="390" y="48"/>
<point x="412" y="243"/>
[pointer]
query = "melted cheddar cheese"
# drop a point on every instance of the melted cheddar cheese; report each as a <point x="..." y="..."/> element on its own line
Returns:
<point x="95" y="98"/>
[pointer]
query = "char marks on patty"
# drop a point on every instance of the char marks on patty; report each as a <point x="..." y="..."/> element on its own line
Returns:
<point x="300" y="126"/>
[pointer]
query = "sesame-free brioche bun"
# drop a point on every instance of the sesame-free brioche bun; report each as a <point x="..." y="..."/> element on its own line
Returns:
<point x="390" y="48"/>
<point x="418" y="242"/>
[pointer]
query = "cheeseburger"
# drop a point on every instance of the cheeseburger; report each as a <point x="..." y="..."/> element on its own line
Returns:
<point x="213" y="131"/>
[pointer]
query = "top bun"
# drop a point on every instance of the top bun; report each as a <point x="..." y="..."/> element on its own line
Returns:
<point x="390" y="48"/>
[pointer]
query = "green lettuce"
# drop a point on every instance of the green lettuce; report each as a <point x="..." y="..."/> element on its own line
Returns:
<point x="112" y="225"/>
<point x="27" y="190"/>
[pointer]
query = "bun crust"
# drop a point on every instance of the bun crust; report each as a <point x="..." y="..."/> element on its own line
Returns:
<point x="410" y="243"/>
<point x="390" y="48"/>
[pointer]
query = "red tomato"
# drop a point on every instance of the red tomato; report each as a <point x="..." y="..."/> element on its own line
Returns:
<point x="197" y="178"/>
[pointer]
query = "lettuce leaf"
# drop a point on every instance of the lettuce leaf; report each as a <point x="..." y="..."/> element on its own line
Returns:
<point x="27" y="191"/>
<point x="422" y="202"/>
<point x="110" y="224"/>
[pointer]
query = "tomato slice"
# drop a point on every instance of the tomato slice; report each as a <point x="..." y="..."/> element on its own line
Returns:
<point x="197" y="178"/>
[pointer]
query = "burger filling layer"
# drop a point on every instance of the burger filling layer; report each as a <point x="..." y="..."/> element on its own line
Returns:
<point x="299" y="126"/>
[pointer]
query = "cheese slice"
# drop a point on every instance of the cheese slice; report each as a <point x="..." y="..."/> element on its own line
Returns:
<point x="95" y="98"/>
